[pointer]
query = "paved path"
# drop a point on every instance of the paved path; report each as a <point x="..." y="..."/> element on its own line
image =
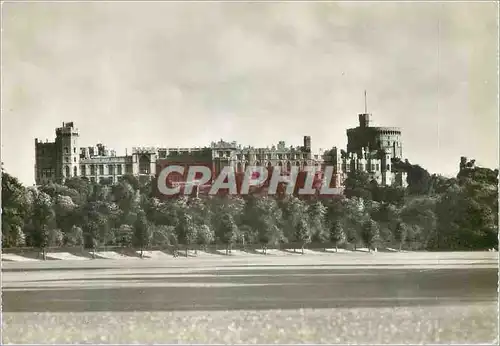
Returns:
<point x="348" y="287"/>
<point x="249" y="288"/>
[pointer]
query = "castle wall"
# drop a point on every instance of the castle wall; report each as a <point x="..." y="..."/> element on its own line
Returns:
<point x="369" y="149"/>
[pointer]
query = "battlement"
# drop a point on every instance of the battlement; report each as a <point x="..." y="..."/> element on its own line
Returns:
<point x="67" y="129"/>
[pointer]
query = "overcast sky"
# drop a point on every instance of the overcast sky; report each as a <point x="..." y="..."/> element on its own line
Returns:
<point x="185" y="74"/>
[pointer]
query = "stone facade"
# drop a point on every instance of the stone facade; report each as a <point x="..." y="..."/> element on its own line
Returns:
<point x="63" y="158"/>
<point x="369" y="149"/>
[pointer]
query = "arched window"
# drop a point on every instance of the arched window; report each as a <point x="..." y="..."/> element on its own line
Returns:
<point x="144" y="165"/>
<point x="288" y="166"/>
<point x="257" y="163"/>
<point x="67" y="171"/>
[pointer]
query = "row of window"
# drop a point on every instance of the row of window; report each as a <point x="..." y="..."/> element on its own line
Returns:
<point x="240" y="166"/>
<point x="361" y="167"/>
<point x="47" y="173"/>
<point x="112" y="169"/>
<point x="294" y="156"/>
<point x="99" y="170"/>
<point x="66" y="150"/>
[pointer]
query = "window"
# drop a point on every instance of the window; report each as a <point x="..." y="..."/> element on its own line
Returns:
<point x="74" y="150"/>
<point x="67" y="171"/>
<point x="377" y="167"/>
<point x="66" y="150"/>
<point x="111" y="169"/>
<point x="128" y="169"/>
<point x="75" y="171"/>
<point x="74" y="159"/>
<point x="66" y="159"/>
<point x="101" y="169"/>
<point x="83" y="170"/>
<point x="119" y="169"/>
<point x="92" y="169"/>
<point x="144" y="165"/>
<point x="373" y="167"/>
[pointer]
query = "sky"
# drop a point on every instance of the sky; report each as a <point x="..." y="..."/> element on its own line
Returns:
<point x="186" y="74"/>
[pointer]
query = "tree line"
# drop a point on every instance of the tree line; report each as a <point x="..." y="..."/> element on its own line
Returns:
<point x="432" y="213"/>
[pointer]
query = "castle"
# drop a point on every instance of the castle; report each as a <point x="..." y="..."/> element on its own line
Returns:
<point x="369" y="149"/>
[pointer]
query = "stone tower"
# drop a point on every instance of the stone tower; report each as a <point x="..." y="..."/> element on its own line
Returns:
<point x="307" y="144"/>
<point x="68" y="152"/>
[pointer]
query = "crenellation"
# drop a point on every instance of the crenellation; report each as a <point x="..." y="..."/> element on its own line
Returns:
<point x="369" y="149"/>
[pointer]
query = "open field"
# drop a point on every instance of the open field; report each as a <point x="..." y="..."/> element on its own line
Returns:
<point x="335" y="298"/>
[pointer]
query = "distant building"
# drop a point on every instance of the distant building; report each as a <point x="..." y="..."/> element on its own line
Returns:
<point x="64" y="158"/>
<point x="369" y="149"/>
<point x="372" y="149"/>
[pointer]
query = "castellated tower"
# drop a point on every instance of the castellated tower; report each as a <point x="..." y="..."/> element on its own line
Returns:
<point x="67" y="152"/>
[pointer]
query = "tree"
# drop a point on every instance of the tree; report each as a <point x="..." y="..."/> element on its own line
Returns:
<point x="387" y="217"/>
<point x="125" y="235"/>
<point x="187" y="230"/>
<point x="370" y="234"/>
<point x="15" y="209"/>
<point x="65" y="213"/>
<point x="92" y="222"/>
<point x="125" y="196"/>
<point x="400" y="234"/>
<point x="142" y="232"/>
<point x="43" y="221"/>
<point x="358" y="184"/>
<point x="337" y="234"/>
<point x="228" y="231"/>
<point x="296" y="217"/>
<point x="418" y="178"/>
<point x="354" y="216"/>
<point x="74" y="237"/>
<point x="248" y="235"/>
<point x="317" y="215"/>
<point x="267" y="217"/>
<point x="205" y="235"/>
<point x="420" y="218"/>
<point x="303" y="233"/>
